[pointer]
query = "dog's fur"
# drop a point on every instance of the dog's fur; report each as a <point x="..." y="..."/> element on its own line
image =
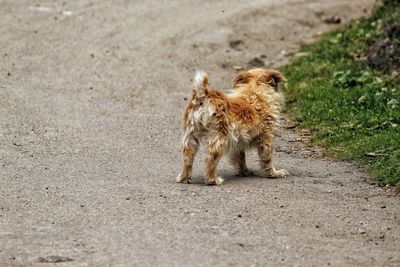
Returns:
<point x="232" y="123"/>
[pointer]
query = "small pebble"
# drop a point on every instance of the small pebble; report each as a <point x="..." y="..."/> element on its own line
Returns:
<point x="238" y="68"/>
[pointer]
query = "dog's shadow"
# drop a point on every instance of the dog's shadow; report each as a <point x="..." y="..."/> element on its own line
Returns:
<point x="230" y="177"/>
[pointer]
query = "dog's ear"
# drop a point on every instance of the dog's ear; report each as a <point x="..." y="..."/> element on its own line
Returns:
<point x="271" y="77"/>
<point x="243" y="77"/>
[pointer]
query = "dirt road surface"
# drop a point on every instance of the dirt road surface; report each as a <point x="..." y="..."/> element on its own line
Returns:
<point x="91" y="98"/>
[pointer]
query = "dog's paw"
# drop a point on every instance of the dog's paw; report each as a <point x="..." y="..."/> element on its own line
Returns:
<point x="245" y="173"/>
<point x="282" y="173"/>
<point x="216" y="181"/>
<point x="180" y="179"/>
<point x="278" y="174"/>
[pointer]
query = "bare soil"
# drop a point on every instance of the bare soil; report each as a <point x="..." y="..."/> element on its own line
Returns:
<point x="384" y="55"/>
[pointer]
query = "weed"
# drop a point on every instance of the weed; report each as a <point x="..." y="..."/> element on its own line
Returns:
<point x="352" y="110"/>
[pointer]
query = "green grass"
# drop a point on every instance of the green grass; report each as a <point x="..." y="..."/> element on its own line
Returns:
<point x="350" y="109"/>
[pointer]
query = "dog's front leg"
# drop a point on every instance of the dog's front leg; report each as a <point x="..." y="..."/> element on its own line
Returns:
<point x="265" y="154"/>
<point x="215" y="151"/>
<point x="190" y="147"/>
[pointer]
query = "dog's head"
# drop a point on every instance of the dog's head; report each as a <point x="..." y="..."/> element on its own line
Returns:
<point x="269" y="77"/>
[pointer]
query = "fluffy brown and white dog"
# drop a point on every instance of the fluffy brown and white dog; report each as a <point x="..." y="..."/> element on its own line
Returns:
<point x="230" y="124"/>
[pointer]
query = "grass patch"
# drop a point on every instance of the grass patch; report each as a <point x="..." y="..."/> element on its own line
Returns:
<point x="351" y="109"/>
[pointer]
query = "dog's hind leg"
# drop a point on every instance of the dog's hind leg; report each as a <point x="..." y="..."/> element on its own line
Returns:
<point x="216" y="149"/>
<point x="190" y="147"/>
<point x="238" y="160"/>
<point x="265" y="153"/>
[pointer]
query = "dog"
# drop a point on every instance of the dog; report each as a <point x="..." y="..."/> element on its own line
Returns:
<point x="231" y="123"/>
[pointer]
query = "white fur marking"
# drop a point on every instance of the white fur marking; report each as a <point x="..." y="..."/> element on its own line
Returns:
<point x="199" y="78"/>
<point x="196" y="115"/>
<point x="229" y="92"/>
<point x="210" y="110"/>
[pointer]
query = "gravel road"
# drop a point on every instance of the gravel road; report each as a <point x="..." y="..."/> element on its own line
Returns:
<point x="91" y="99"/>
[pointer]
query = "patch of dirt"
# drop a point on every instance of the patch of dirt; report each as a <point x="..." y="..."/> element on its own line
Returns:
<point x="54" y="259"/>
<point x="384" y="55"/>
<point x="236" y="44"/>
<point x="333" y="20"/>
<point x="256" y="63"/>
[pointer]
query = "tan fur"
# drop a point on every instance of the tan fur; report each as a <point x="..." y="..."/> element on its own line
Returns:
<point x="230" y="124"/>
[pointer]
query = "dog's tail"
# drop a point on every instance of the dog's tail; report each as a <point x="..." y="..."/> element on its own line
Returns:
<point x="200" y="86"/>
